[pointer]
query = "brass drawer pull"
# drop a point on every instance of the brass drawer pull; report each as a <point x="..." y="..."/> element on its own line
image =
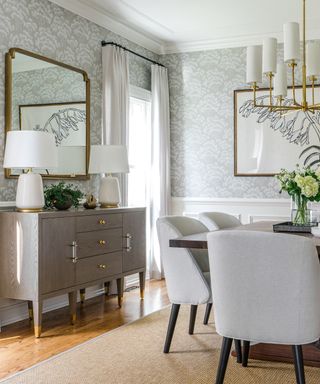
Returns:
<point x="102" y="242"/>
<point x="102" y="221"/>
<point x="102" y="266"/>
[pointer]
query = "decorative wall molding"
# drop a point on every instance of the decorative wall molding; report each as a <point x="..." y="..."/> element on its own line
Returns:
<point x="247" y="210"/>
<point x="103" y="18"/>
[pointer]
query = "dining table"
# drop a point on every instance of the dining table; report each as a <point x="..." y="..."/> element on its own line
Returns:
<point x="260" y="351"/>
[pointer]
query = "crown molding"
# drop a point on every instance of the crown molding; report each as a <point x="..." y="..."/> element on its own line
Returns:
<point x="103" y="18"/>
<point x="229" y="42"/>
<point x="100" y="16"/>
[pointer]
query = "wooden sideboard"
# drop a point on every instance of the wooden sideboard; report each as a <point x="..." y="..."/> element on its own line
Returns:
<point x="51" y="253"/>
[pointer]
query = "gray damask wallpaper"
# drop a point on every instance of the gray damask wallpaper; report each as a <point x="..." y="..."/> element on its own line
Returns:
<point x="45" y="28"/>
<point x="201" y="101"/>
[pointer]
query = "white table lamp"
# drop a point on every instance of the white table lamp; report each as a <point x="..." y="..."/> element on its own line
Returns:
<point x="109" y="159"/>
<point x="29" y="150"/>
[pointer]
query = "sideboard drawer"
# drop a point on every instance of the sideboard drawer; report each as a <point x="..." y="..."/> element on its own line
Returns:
<point x="98" y="222"/>
<point x="98" y="242"/>
<point x="96" y="267"/>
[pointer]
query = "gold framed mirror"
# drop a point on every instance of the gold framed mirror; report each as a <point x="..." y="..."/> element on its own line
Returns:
<point x="46" y="95"/>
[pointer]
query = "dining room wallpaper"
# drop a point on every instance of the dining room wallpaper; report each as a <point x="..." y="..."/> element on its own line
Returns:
<point x="45" y="28"/>
<point x="201" y="105"/>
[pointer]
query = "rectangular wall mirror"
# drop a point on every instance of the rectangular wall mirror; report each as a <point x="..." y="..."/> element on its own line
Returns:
<point x="43" y="94"/>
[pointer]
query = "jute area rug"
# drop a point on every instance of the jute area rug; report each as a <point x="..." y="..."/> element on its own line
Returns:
<point x="133" y="354"/>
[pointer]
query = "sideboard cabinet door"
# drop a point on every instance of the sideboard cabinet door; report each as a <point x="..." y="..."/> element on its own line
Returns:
<point x="134" y="241"/>
<point x="58" y="254"/>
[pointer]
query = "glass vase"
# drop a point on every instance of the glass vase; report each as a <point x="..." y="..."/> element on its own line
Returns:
<point x="300" y="213"/>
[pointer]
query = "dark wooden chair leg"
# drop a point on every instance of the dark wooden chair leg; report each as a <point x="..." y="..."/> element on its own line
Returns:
<point x="172" y="323"/>
<point x="245" y="353"/>
<point x="223" y="361"/>
<point x="193" y="315"/>
<point x="237" y="344"/>
<point x="207" y="314"/>
<point x="298" y="364"/>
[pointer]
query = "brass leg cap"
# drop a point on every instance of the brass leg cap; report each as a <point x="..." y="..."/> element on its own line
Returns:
<point x="37" y="331"/>
<point x="120" y="301"/>
<point x="30" y="314"/>
<point x="82" y="298"/>
<point x="73" y="319"/>
<point x="142" y="294"/>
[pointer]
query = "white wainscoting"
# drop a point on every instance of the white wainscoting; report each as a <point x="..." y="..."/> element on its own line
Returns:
<point x="246" y="210"/>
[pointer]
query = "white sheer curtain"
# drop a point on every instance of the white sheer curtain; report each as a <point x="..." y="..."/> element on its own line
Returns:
<point x="160" y="173"/>
<point x="115" y="98"/>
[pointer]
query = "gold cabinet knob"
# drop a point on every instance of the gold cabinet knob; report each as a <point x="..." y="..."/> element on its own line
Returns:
<point x="102" y="242"/>
<point x="102" y="266"/>
<point x="102" y="221"/>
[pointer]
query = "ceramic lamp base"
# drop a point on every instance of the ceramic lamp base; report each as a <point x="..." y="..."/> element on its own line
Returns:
<point x="109" y="194"/>
<point x="29" y="196"/>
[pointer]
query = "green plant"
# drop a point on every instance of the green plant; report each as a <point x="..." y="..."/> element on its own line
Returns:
<point x="62" y="194"/>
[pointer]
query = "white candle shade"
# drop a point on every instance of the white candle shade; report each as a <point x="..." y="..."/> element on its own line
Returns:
<point x="269" y="55"/>
<point x="291" y="42"/>
<point x="254" y="64"/>
<point x="280" y="81"/>
<point x="313" y="58"/>
<point x="30" y="149"/>
<point x="108" y="159"/>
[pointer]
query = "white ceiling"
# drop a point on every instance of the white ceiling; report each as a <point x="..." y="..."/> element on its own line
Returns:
<point x="186" y="25"/>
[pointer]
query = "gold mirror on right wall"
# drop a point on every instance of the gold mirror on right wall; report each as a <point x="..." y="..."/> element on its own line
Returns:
<point x="45" y="95"/>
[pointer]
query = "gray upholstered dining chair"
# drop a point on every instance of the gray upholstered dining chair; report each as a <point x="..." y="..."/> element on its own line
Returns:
<point x="186" y="271"/>
<point x="218" y="220"/>
<point x="266" y="288"/>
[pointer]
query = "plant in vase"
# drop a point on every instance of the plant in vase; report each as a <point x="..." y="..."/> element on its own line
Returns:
<point x="303" y="185"/>
<point x="62" y="196"/>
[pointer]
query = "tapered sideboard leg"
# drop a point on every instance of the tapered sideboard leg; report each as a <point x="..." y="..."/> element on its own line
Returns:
<point x="30" y="310"/>
<point x="120" y="283"/>
<point x="37" y="317"/>
<point x="73" y="306"/>
<point x="142" y="279"/>
<point x="107" y="288"/>
<point x="82" y="295"/>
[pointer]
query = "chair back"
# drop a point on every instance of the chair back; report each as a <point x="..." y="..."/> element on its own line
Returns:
<point x="218" y="220"/>
<point x="185" y="281"/>
<point x="266" y="286"/>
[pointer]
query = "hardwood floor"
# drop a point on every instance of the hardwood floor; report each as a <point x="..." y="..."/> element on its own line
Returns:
<point x="19" y="349"/>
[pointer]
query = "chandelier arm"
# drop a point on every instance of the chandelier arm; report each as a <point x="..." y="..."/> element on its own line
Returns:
<point x="314" y="106"/>
<point x="275" y="107"/>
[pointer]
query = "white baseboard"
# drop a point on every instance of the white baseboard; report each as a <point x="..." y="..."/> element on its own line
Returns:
<point x="246" y="210"/>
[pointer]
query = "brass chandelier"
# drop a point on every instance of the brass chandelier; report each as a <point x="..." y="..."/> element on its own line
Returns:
<point x="262" y="60"/>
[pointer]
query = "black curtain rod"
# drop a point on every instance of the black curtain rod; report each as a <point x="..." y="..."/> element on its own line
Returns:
<point x="104" y="43"/>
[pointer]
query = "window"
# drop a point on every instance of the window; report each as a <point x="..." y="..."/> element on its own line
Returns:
<point x="139" y="153"/>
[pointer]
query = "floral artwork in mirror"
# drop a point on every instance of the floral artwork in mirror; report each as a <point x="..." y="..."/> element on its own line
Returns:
<point x="45" y="95"/>
<point x="267" y="141"/>
<point x="68" y="124"/>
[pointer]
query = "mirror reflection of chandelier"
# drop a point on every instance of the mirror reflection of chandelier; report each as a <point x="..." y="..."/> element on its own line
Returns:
<point x="262" y="60"/>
